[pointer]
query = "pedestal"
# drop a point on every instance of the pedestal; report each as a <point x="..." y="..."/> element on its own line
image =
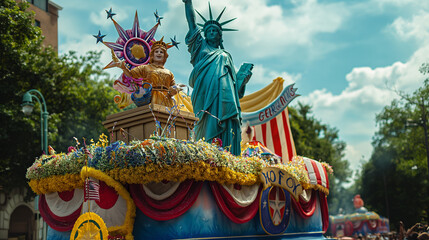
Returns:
<point x="139" y="123"/>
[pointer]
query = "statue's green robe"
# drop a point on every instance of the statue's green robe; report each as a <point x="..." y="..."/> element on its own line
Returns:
<point x="213" y="80"/>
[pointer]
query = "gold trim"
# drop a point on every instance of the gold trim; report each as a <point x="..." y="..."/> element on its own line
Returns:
<point x="247" y="236"/>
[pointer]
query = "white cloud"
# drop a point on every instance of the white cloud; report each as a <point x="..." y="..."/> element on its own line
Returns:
<point x="417" y="28"/>
<point x="369" y="90"/>
<point x="353" y="110"/>
<point x="268" y="30"/>
<point x="262" y="76"/>
<point x="399" y="76"/>
<point x="358" y="152"/>
<point x="403" y="5"/>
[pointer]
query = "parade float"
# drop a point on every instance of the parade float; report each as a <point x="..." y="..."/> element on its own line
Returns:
<point x="360" y="223"/>
<point x="166" y="172"/>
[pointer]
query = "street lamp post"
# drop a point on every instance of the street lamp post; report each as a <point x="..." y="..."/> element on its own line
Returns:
<point x="27" y="109"/>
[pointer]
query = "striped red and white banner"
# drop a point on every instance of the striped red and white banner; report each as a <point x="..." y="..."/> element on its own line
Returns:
<point x="316" y="172"/>
<point x="277" y="136"/>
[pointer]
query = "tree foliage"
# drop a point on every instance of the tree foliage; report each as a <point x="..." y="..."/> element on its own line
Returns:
<point x="394" y="182"/>
<point x="321" y="142"/>
<point x="77" y="93"/>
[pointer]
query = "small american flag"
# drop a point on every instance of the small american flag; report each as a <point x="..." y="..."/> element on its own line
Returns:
<point x="92" y="190"/>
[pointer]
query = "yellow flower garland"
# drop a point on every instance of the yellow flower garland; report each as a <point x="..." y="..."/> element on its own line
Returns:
<point x="199" y="171"/>
<point x="59" y="183"/>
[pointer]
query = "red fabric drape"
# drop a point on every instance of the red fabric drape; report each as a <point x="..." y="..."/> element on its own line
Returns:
<point x="376" y="224"/>
<point x="62" y="224"/>
<point x="358" y="227"/>
<point x="230" y="208"/>
<point x="174" y="206"/>
<point x="324" y="209"/>
<point x="348" y="229"/>
<point x="333" y="229"/>
<point x="66" y="195"/>
<point x="303" y="208"/>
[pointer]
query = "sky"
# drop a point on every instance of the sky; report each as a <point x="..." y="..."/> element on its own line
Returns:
<point x="347" y="58"/>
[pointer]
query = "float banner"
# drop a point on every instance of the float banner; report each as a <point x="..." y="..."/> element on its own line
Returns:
<point x="271" y="176"/>
<point x="273" y="109"/>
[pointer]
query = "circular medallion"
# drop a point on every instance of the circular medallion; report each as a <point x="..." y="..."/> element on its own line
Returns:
<point x="274" y="210"/>
<point x="89" y="226"/>
<point x="136" y="51"/>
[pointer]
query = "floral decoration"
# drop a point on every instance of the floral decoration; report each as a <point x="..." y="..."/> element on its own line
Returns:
<point x="142" y="162"/>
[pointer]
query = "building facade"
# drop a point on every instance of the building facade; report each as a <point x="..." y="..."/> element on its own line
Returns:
<point x="46" y="17"/>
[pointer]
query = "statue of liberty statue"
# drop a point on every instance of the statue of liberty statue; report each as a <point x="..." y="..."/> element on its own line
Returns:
<point x="216" y="85"/>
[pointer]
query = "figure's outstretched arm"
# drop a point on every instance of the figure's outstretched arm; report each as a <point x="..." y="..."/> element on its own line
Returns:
<point x="120" y="64"/>
<point x="190" y="14"/>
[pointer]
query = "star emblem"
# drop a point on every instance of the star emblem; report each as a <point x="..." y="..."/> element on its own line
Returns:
<point x="110" y="14"/>
<point x="99" y="37"/>
<point x="264" y="204"/>
<point x="174" y="42"/>
<point x="277" y="205"/>
<point x="88" y="232"/>
<point x="158" y="18"/>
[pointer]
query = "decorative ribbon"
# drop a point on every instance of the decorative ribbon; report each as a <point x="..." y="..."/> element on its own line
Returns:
<point x="273" y="109"/>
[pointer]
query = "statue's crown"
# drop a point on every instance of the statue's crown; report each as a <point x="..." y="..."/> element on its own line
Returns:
<point x="214" y="22"/>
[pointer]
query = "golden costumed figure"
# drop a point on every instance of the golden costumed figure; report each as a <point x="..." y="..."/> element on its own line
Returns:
<point x="161" y="79"/>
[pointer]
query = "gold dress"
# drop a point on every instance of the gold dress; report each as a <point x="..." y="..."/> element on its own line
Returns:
<point x="160" y="78"/>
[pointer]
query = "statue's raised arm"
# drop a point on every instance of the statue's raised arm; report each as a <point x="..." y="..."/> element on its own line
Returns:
<point x="190" y="14"/>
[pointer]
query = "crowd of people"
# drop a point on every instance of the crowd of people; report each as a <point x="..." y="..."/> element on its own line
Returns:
<point x="418" y="231"/>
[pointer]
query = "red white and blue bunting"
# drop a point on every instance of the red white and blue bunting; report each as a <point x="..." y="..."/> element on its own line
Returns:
<point x="167" y="204"/>
<point x="239" y="203"/>
<point x="61" y="209"/>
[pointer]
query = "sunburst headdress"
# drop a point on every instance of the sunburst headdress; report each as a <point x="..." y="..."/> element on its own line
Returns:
<point x="212" y="22"/>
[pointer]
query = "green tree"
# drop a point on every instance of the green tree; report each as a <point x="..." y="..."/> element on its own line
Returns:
<point x="394" y="182"/>
<point x="319" y="141"/>
<point x="77" y="93"/>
